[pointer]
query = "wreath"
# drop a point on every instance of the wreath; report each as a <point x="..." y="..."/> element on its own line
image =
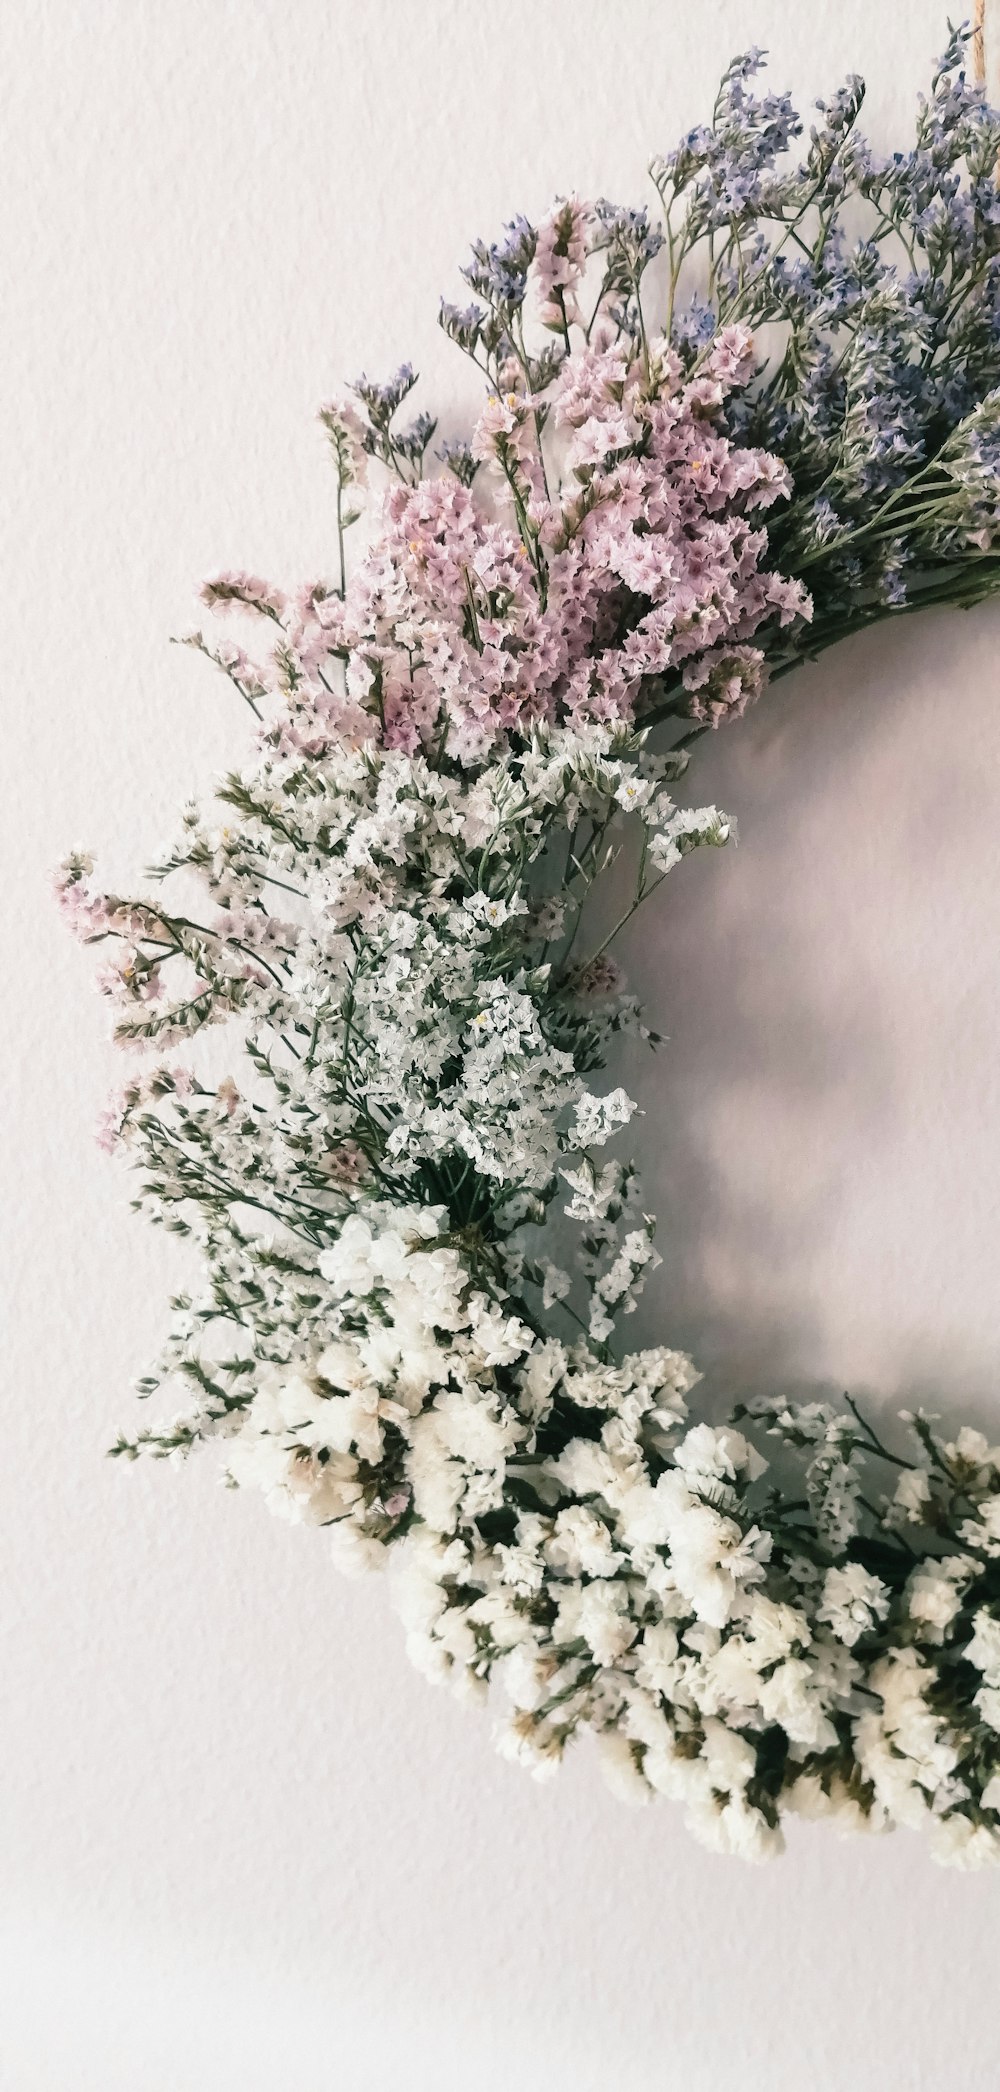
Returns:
<point x="418" y="1226"/>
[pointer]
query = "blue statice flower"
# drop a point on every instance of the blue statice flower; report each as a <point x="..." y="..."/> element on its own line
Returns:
<point x="881" y="275"/>
<point x="463" y="325"/>
<point x="727" y="168"/>
<point x="889" y="578"/>
<point x="696" y="325"/>
<point x="499" y="273"/>
<point x="460" y="458"/>
<point x="412" y="442"/>
<point x="826" y="523"/>
<point x="381" y="400"/>
<point x="630" y="240"/>
<point x="870" y="284"/>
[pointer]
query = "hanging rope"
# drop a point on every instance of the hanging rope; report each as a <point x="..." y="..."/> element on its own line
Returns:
<point x="979" y="42"/>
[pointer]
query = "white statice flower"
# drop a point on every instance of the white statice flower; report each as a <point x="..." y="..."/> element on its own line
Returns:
<point x="984" y="1648"/>
<point x="523" y="1565"/>
<point x="832" y="1802"/>
<point x="709" y="1455"/>
<point x="601" y="1616"/>
<point x="527" y="1741"/>
<point x="664" y="851"/>
<point x="685" y="828"/>
<point x="983" y="1531"/>
<point x="355" y="1553"/>
<point x="295" y="1484"/>
<point x="526" y="1676"/>
<point x="537" y="1379"/>
<point x="972" y="1460"/>
<point x="421" y="1568"/>
<point x="956" y="1841"/>
<point x="792" y="1697"/>
<point x="730" y="1758"/>
<point x="656" y="1667"/>
<point x="853" y="1601"/>
<point x="491" y="909"/>
<point x="473" y="1429"/>
<point x="987" y="1704"/>
<point x="904" y="1749"/>
<point x="556" y="1283"/>
<point x="597" y="1118"/>
<point x="496" y="1339"/>
<point x="713" y="1560"/>
<point x="833" y="1481"/>
<point x="615" y="1289"/>
<point x="712" y="1788"/>
<point x="933" y="1596"/>
<point x="773" y="1630"/>
<point x="912" y="1495"/>
<point x="633" y="792"/>
<point x="581" y="1544"/>
<point x="365" y="1256"/>
<point x="584" y="1468"/>
<point x="594" y="1191"/>
<point x="621" y="1769"/>
<point x="438" y="1482"/>
<point x="728" y="1676"/>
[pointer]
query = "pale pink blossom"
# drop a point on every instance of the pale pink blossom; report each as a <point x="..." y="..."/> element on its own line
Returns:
<point x="560" y="260"/>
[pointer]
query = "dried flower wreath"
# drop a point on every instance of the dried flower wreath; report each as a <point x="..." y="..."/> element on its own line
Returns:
<point x="390" y="908"/>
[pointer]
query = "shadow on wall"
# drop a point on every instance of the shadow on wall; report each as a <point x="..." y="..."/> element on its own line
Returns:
<point x="824" y="1114"/>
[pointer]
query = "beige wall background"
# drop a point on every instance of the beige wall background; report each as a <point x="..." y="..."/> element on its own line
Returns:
<point x="243" y="1846"/>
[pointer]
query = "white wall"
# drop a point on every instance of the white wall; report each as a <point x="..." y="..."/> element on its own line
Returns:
<point x="242" y="1845"/>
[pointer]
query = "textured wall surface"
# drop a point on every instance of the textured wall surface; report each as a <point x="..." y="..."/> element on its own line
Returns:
<point x="243" y="1846"/>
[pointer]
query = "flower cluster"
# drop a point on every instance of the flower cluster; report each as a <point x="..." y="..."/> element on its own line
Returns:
<point x="879" y="280"/>
<point x="875" y="283"/>
<point x="417" y="1229"/>
<point x="461" y="627"/>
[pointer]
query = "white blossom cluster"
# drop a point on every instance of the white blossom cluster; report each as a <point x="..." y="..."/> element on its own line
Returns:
<point x="384" y="1347"/>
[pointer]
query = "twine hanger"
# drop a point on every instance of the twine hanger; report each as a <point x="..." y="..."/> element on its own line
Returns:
<point x="979" y="42"/>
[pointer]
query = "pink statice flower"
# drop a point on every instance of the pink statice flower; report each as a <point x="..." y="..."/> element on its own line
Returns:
<point x="110" y="1123"/>
<point x="598" y="979"/>
<point x="723" y="682"/>
<point x="560" y="261"/>
<point x="731" y="358"/>
<point x="346" y="1165"/>
<point x="346" y="432"/>
<point x="611" y="555"/>
<point x="503" y="426"/>
<point x="232" y="590"/>
<point x="87" y="913"/>
<point x="481" y="625"/>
